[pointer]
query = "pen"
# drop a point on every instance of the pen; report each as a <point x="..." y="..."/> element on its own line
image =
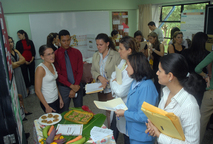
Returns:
<point x="105" y="77"/>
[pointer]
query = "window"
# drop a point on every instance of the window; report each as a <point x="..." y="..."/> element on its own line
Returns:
<point x="171" y="17"/>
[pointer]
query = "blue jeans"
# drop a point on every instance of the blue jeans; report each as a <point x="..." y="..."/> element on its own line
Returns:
<point x="140" y="142"/>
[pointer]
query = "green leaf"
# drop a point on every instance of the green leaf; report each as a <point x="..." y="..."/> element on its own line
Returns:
<point x="97" y="120"/>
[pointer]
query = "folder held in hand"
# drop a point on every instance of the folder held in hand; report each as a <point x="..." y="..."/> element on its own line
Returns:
<point x="111" y="105"/>
<point x="166" y="122"/>
<point x="93" y="88"/>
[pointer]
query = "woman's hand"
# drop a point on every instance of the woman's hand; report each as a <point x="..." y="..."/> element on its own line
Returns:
<point x="119" y="112"/>
<point x="49" y="110"/>
<point x="151" y="49"/>
<point x="103" y="81"/>
<point x="207" y="82"/>
<point x="61" y="103"/>
<point x="152" y="130"/>
<point x="114" y="80"/>
<point x="27" y="63"/>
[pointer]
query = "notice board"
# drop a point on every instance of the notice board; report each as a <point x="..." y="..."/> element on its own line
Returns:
<point x="120" y="23"/>
<point x="192" y="21"/>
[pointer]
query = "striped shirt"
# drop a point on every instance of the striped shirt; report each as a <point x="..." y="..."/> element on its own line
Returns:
<point x="185" y="106"/>
<point x="102" y="64"/>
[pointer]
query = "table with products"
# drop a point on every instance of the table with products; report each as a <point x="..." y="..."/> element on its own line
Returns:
<point x="97" y="120"/>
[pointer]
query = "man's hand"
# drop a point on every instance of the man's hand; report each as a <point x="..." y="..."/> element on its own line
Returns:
<point x="75" y="88"/>
<point x="72" y="94"/>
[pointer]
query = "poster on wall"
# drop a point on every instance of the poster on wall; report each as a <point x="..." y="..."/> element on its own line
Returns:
<point x="192" y="21"/>
<point x="86" y="44"/>
<point x="120" y="23"/>
<point x="6" y="47"/>
<point x="16" y="106"/>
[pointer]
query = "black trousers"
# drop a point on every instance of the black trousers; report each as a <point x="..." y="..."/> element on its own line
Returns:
<point x="54" y="105"/>
<point x="116" y="131"/>
<point x="29" y="80"/>
<point x="64" y="91"/>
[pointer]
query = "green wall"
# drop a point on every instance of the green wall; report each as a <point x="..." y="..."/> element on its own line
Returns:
<point x="28" y="6"/>
<point x="17" y="11"/>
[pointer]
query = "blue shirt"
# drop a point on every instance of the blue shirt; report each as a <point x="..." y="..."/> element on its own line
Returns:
<point x="141" y="91"/>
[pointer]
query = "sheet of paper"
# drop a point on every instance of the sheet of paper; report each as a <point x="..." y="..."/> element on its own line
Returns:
<point x="111" y="105"/>
<point x="93" y="88"/>
<point x="124" y="16"/>
<point x="70" y="129"/>
<point x="98" y="133"/>
<point x="118" y="75"/>
<point x="126" y="30"/>
<point x="120" y="27"/>
<point x="116" y="22"/>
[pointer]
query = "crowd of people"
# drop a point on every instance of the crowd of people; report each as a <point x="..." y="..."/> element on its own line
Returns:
<point x="178" y="82"/>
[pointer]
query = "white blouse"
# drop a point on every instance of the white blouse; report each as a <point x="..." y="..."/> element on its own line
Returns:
<point x="121" y="91"/>
<point x="49" y="88"/>
<point x="185" y="106"/>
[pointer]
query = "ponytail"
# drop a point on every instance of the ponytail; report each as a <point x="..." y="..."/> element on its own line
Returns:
<point x="177" y="65"/>
<point x="194" y="84"/>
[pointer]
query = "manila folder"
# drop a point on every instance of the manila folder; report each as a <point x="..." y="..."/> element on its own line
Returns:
<point x="118" y="75"/>
<point x="167" y="123"/>
<point x="111" y="105"/>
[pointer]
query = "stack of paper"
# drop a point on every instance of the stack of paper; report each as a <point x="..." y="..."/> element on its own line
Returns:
<point x="167" y="123"/>
<point x="98" y="133"/>
<point x="70" y="129"/>
<point x="111" y="105"/>
<point x="93" y="88"/>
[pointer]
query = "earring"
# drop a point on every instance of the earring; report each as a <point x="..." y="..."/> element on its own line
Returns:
<point x="169" y="80"/>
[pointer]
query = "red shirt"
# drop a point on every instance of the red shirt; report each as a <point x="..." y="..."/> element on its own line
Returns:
<point x="76" y="62"/>
<point x="27" y="54"/>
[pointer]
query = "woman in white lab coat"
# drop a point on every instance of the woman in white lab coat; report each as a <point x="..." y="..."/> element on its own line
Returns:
<point x="127" y="46"/>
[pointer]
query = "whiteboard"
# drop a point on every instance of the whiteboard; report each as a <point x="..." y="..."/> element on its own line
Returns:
<point x="192" y="21"/>
<point x="78" y="23"/>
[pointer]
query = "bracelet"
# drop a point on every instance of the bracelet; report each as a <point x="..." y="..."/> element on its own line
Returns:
<point x="205" y="76"/>
<point x="153" y="49"/>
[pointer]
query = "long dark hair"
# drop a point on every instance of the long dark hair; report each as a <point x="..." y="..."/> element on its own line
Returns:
<point x="177" y="65"/>
<point x="198" y="49"/>
<point x="157" y="42"/>
<point x="50" y="39"/>
<point x="140" y="66"/>
<point x="129" y="43"/>
<point x="12" y="41"/>
<point x="139" y="33"/>
<point x="26" y="36"/>
<point x="106" y="39"/>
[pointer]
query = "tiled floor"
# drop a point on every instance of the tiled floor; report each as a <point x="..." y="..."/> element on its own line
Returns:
<point x="32" y="105"/>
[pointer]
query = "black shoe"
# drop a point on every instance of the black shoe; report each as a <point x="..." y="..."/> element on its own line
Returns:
<point x="27" y="135"/>
<point x="29" y="113"/>
<point x="24" y="119"/>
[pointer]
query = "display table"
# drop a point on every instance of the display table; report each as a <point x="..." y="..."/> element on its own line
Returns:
<point x="37" y="134"/>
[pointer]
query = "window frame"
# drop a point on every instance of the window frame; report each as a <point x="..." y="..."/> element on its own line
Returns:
<point x="182" y="9"/>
